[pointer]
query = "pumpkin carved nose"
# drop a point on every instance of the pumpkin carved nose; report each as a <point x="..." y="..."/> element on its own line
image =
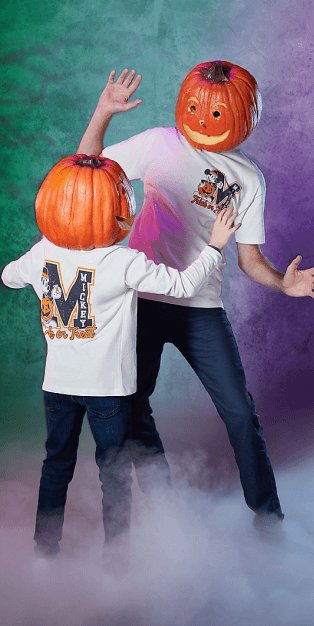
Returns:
<point x="202" y="123"/>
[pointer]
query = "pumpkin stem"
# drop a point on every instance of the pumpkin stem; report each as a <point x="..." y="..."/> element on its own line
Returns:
<point x="90" y="161"/>
<point x="217" y="72"/>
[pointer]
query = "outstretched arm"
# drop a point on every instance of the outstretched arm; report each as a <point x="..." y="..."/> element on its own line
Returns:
<point x="114" y="99"/>
<point x="25" y="270"/>
<point x="293" y="282"/>
<point x="144" y="275"/>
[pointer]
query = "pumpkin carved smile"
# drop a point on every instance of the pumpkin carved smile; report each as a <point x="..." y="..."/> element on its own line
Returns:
<point x="207" y="140"/>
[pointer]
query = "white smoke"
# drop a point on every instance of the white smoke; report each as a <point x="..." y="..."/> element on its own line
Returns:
<point x="195" y="559"/>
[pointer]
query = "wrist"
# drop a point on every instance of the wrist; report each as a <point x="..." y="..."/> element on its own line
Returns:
<point x="278" y="281"/>
<point x="281" y="286"/>
<point x="215" y="248"/>
<point x="214" y="241"/>
<point x="102" y="117"/>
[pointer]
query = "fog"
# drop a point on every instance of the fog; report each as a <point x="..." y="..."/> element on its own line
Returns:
<point x="195" y="557"/>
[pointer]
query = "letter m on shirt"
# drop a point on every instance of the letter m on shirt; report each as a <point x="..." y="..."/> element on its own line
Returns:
<point x="72" y="306"/>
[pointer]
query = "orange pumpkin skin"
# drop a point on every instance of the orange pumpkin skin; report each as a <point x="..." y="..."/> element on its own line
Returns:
<point x="46" y="309"/>
<point x="85" y="202"/>
<point x="218" y="106"/>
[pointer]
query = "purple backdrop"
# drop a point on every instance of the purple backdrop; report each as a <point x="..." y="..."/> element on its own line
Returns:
<point x="273" y="40"/>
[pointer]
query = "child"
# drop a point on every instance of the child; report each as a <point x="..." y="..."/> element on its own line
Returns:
<point x="88" y="313"/>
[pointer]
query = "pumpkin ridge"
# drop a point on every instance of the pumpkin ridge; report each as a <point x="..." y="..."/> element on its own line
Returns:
<point x="99" y="191"/>
<point x="250" y="126"/>
<point x="255" y="97"/>
<point x="107" y="201"/>
<point x="101" y="212"/>
<point x="117" y="195"/>
<point x="92" y="174"/>
<point x="114" y="181"/>
<point x="251" y="120"/>
<point x="71" y="215"/>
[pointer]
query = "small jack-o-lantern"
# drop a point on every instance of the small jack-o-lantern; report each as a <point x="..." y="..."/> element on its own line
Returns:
<point x="218" y="106"/>
<point x="206" y="189"/>
<point x="46" y="309"/>
<point x="85" y="202"/>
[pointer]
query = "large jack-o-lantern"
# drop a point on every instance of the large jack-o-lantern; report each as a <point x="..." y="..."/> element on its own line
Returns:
<point x="85" y="202"/>
<point x="218" y="106"/>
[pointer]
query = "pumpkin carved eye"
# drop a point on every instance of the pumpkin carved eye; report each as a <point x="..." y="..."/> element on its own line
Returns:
<point x="216" y="114"/>
<point x="192" y="108"/>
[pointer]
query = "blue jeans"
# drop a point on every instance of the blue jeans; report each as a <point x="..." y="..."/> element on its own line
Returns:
<point x="205" y="339"/>
<point x="108" y="419"/>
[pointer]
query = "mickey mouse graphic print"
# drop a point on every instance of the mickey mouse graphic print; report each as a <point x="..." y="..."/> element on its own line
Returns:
<point x="213" y="193"/>
<point x="67" y="313"/>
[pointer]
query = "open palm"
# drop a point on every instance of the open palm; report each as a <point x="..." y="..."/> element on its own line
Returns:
<point x="298" y="282"/>
<point x="116" y="96"/>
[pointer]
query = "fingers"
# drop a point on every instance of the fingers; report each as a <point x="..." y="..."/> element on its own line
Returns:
<point x="135" y="84"/>
<point x="296" y="261"/>
<point x="227" y="217"/>
<point x="122" y="76"/>
<point x="231" y="217"/>
<point x="126" y="79"/>
<point x="294" y="264"/>
<point x="111" y="77"/>
<point x="221" y="215"/>
<point x="236" y="227"/>
<point x="124" y="87"/>
<point x="132" y="105"/>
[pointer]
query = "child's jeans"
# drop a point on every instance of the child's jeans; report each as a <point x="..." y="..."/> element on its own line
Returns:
<point x="108" y="418"/>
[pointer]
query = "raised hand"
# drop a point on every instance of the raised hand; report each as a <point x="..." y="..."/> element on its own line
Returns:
<point x="223" y="228"/>
<point x="115" y="98"/>
<point x="297" y="282"/>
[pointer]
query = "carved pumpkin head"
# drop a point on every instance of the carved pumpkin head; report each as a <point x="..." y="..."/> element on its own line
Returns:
<point x="85" y="202"/>
<point x="218" y="106"/>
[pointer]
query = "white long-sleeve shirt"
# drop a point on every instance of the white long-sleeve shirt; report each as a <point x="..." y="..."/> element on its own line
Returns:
<point x="88" y="310"/>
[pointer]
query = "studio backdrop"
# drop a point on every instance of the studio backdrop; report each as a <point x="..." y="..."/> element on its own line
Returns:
<point x="56" y="57"/>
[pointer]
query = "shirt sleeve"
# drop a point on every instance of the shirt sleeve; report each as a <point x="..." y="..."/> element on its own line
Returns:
<point x="251" y="210"/>
<point x="133" y="154"/>
<point x="252" y="228"/>
<point x="145" y="276"/>
<point x="25" y="270"/>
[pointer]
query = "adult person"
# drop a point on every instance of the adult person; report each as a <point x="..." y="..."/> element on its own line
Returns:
<point x="190" y="172"/>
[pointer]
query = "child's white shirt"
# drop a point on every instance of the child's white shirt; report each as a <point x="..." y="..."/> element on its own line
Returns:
<point x="88" y="310"/>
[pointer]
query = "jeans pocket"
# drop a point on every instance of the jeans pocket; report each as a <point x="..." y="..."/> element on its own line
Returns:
<point x="104" y="407"/>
